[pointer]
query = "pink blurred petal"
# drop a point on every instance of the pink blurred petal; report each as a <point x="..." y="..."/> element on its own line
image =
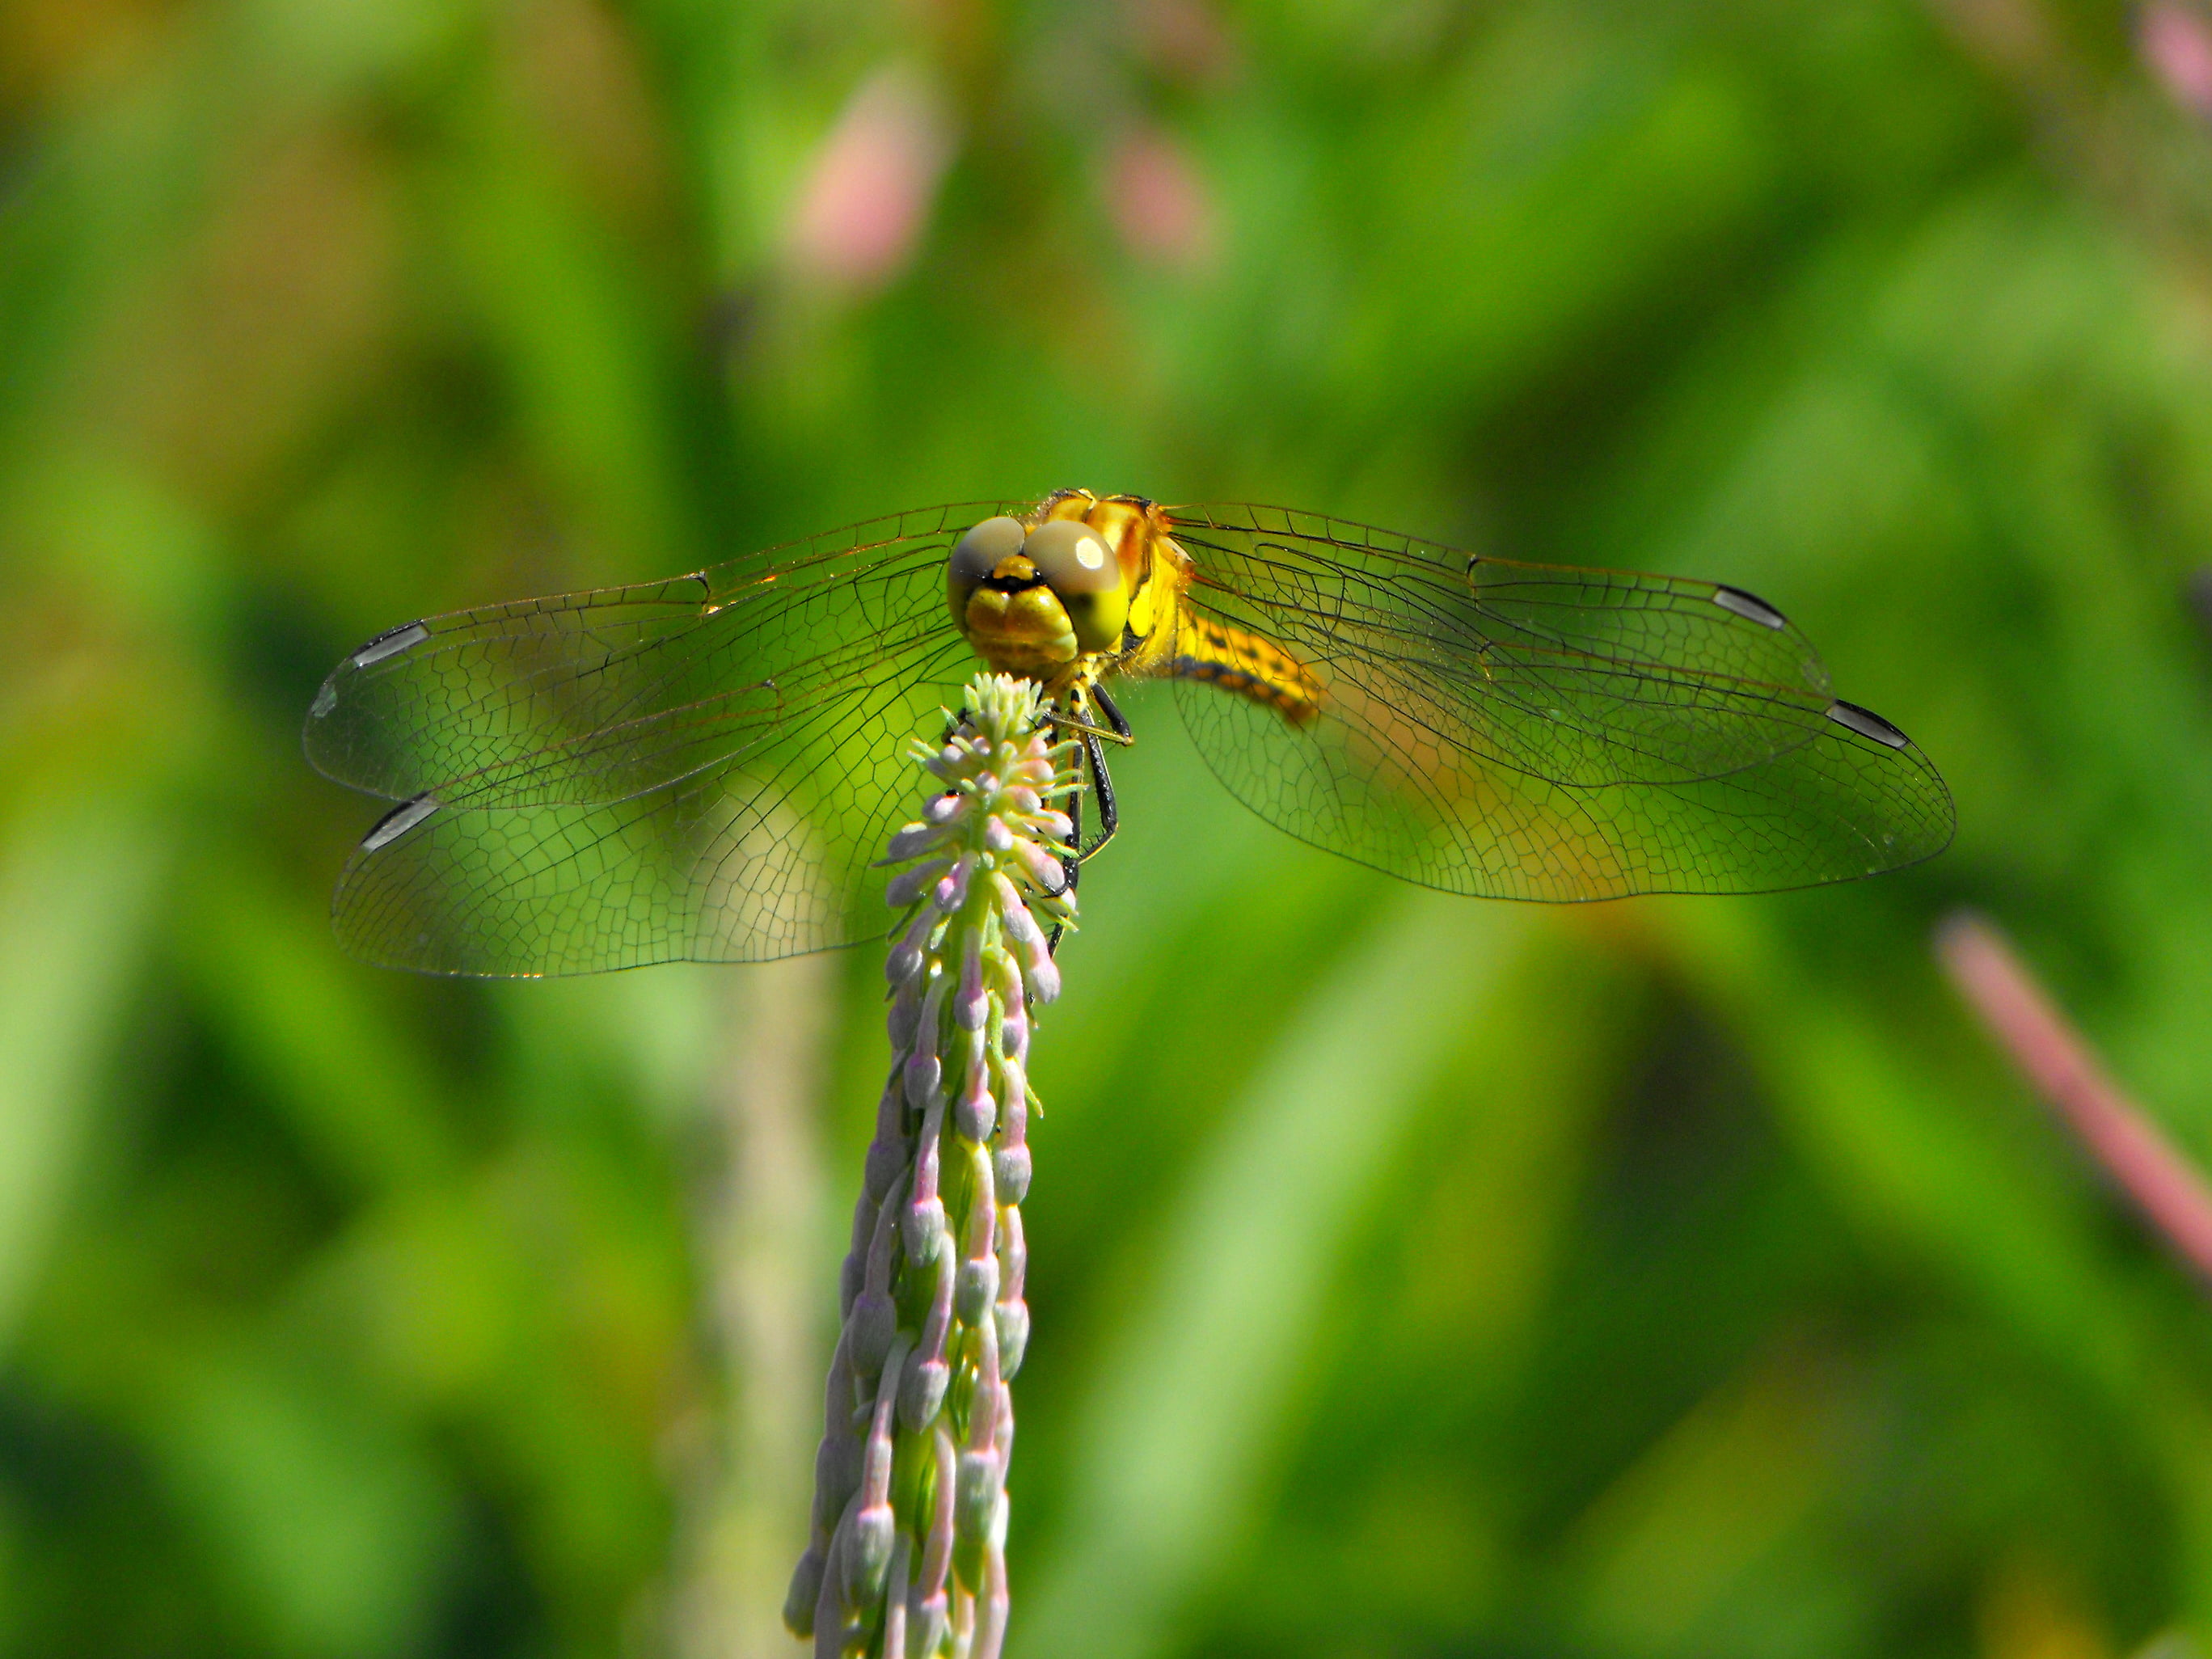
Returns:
<point x="2176" y="41"/>
<point x="868" y="195"/>
<point x="2165" y="1186"/>
<point x="1158" y="202"/>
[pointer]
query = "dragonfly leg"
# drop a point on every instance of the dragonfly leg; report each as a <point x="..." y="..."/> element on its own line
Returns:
<point x="1114" y="717"/>
<point x="1102" y="781"/>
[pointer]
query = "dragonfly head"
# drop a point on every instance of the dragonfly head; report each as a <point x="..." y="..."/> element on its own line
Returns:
<point x="1032" y="600"/>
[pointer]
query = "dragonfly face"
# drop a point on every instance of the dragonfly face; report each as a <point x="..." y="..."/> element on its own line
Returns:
<point x="706" y="767"/>
<point x="1082" y="589"/>
<point x="1067" y="588"/>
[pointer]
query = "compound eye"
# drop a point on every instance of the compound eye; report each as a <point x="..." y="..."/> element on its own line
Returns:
<point x="1072" y="557"/>
<point x="976" y="554"/>
<point x="1075" y="560"/>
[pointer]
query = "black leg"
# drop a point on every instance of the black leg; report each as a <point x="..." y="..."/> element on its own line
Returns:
<point x="1101" y="783"/>
<point x="1114" y="716"/>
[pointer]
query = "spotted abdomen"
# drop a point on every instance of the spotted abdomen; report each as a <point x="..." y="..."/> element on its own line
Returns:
<point x="1245" y="664"/>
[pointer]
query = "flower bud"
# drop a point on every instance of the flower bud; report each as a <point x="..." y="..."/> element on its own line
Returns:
<point x="1041" y="974"/>
<point x="904" y="1020"/>
<point x="921" y="1391"/>
<point x="951" y="890"/>
<point x="909" y="885"/>
<point x="975" y="1115"/>
<point x="874" y="1323"/>
<point x="1010" y="1168"/>
<point x="970" y="1005"/>
<point x="912" y="842"/>
<point x="1013" y="1322"/>
<point x="925" y="1075"/>
<point x="921" y="1229"/>
<point x="928" y="1621"/>
<point x="1045" y="871"/>
<point x="887" y="1161"/>
<point x="976" y="1493"/>
<point x="868" y="1554"/>
<point x="975" y="1288"/>
<point x="1021" y="927"/>
<point x="805" y="1591"/>
<point x="837" y="1476"/>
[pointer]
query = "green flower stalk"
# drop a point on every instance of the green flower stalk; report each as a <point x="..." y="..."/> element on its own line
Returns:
<point x="907" y="1559"/>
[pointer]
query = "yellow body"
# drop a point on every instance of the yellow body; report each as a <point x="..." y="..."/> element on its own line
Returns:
<point x="1019" y="624"/>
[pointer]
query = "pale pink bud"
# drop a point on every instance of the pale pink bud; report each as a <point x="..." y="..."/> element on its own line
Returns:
<point x="904" y="1017"/>
<point x="921" y="1229"/>
<point x="805" y="1589"/>
<point x="1021" y="927"/>
<point x="909" y="885"/>
<point x="951" y="891"/>
<point x="971" y="1006"/>
<point x="975" y="1288"/>
<point x="1047" y="871"/>
<point x="1041" y="974"/>
<point x="1012" y="1319"/>
<point x="925" y="1075"/>
<point x="921" y="1391"/>
<point x="975" y="1115"/>
<point x="976" y="1493"/>
<point x="912" y="842"/>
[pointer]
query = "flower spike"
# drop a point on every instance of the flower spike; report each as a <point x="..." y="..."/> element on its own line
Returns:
<point x="908" y="1556"/>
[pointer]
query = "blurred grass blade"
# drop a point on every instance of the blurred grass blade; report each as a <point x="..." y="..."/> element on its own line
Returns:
<point x="1199" y="1389"/>
<point x="1921" y="1180"/>
<point x="76" y="891"/>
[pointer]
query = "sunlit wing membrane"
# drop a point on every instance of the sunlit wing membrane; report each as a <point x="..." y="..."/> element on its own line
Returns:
<point x="1539" y="732"/>
<point x="743" y="861"/>
<point x="1582" y="678"/>
<point x="701" y="769"/>
<point x="595" y="697"/>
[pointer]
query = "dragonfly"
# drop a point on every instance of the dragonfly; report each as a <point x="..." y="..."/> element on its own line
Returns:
<point x="706" y="767"/>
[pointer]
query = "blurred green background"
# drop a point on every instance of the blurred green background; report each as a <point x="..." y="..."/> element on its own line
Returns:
<point x="1411" y="1276"/>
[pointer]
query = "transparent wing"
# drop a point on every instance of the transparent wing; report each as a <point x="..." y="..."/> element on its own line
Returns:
<point x="702" y="769"/>
<point x="597" y="696"/>
<point x="1543" y="732"/>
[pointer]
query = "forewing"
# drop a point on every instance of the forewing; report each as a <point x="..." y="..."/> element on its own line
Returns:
<point x="1582" y="677"/>
<point x="703" y="769"/>
<point x="1542" y="732"/>
<point x="594" y="698"/>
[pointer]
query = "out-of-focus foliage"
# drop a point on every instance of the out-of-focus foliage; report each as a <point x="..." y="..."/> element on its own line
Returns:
<point x="1411" y="1276"/>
